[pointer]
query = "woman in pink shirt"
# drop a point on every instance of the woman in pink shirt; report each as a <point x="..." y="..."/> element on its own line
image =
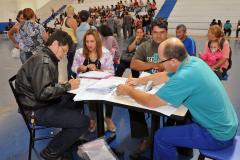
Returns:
<point x="215" y="33"/>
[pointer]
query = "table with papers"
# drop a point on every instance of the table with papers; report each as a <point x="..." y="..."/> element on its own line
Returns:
<point x="103" y="91"/>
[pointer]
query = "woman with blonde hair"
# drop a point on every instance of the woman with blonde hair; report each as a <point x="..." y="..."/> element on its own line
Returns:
<point x="70" y="26"/>
<point x="224" y="63"/>
<point x="94" y="57"/>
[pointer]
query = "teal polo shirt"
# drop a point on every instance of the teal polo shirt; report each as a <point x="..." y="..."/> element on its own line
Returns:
<point x="197" y="87"/>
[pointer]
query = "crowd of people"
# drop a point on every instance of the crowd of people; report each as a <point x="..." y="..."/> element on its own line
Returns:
<point x="89" y="39"/>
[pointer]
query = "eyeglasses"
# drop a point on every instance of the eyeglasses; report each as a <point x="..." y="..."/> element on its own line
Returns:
<point x="165" y="60"/>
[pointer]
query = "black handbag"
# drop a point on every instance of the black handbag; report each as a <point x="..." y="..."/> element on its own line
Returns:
<point x="127" y="56"/>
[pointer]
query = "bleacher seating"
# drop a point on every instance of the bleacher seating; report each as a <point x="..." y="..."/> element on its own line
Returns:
<point x="197" y="15"/>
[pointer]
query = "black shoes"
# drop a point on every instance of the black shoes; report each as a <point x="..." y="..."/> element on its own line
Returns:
<point x="144" y="144"/>
<point x="48" y="154"/>
<point x="185" y="151"/>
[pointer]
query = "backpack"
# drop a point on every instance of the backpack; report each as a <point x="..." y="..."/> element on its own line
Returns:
<point x="230" y="52"/>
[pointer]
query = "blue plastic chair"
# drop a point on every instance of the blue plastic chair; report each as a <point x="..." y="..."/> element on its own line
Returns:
<point x="230" y="153"/>
<point x="225" y="77"/>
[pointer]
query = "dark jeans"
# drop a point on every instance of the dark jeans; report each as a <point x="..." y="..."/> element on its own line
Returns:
<point x="127" y="29"/>
<point x="67" y="115"/>
<point x="221" y="74"/>
<point x="138" y="123"/>
<point x="108" y="110"/>
<point x="227" y="31"/>
<point x="70" y="57"/>
<point x="237" y="32"/>
<point x="123" y="66"/>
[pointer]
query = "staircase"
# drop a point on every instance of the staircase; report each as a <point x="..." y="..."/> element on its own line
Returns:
<point x="166" y="9"/>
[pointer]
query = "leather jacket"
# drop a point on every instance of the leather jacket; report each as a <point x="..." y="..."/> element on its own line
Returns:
<point x="37" y="81"/>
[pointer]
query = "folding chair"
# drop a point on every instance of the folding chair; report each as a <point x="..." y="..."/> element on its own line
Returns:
<point x="32" y="128"/>
<point x="229" y="153"/>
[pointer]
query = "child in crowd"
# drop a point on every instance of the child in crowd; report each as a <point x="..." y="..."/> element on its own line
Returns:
<point x="214" y="55"/>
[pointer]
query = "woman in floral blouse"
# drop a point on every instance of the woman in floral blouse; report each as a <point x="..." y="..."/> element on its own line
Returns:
<point x="32" y="35"/>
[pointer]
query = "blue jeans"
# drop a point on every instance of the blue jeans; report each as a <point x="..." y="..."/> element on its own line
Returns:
<point x="192" y="136"/>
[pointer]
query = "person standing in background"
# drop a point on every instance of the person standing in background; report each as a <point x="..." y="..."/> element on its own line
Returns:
<point x="227" y="28"/>
<point x="70" y="26"/>
<point x="84" y="26"/>
<point x="32" y="35"/>
<point x="13" y="33"/>
<point x="238" y="28"/>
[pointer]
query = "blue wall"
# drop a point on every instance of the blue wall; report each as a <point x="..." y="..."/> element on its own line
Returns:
<point x="3" y="25"/>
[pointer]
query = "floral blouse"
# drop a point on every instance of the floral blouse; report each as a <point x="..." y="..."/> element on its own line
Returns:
<point x="31" y="36"/>
<point x="106" y="60"/>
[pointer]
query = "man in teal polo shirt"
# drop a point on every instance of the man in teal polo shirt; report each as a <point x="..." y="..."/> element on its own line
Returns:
<point x="188" y="81"/>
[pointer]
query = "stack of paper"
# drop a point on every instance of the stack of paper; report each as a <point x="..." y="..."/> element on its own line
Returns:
<point x="95" y="75"/>
<point x="103" y="86"/>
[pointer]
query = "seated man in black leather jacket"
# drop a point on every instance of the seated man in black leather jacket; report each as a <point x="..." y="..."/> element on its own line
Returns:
<point x="39" y="91"/>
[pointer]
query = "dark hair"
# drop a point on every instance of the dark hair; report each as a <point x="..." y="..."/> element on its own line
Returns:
<point x="139" y="27"/>
<point x="175" y="50"/>
<point x="159" y="23"/>
<point x="84" y="15"/>
<point x="28" y="13"/>
<point x="19" y="14"/>
<point x="105" y="31"/>
<point x="182" y="26"/>
<point x="62" y="37"/>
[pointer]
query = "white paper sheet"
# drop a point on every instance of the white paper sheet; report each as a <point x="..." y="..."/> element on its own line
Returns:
<point x="84" y="94"/>
<point x="84" y="83"/>
<point x="95" y="74"/>
<point x="104" y="86"/>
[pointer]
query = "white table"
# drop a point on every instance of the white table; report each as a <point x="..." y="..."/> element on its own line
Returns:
<point x="83" y="94"/>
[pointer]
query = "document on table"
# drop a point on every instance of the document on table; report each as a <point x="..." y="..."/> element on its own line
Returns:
<point x="104" y="86"/>
<point x="84" y="83"/>
<point x="85" y="94"/>
<point x="125" y="100"/>
<point x="95" y="75"/>
<point x="93" y="91"/>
